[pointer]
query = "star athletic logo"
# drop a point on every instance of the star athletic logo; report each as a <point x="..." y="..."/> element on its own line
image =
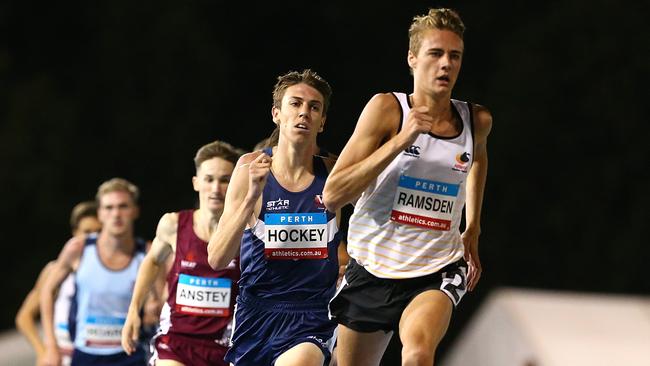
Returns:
<point x="278" y="204"/>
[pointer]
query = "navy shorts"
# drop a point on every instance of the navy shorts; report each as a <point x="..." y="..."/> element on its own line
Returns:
<point x="265" y="329"/>
<point x="366" y="303"/>
<point x="80" y="358"/>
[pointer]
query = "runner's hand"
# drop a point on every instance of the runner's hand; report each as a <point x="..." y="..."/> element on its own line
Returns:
<point x="417" y="122"/>
<point x="131" y="332"/>
<point x="51" y="357"/>
<point x="470" y="241"/>
<point x="258" y="171"/>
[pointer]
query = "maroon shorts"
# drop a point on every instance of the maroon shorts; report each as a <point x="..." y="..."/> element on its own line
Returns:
<point x="190" y="351"/>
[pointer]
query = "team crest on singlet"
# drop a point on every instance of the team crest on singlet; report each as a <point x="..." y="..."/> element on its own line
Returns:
<point x="189" y="261"/>
<point x="413" y="151"/>
<point x="462" y="162"/>
<point x="318" y="201"/>
<point x="295" y="235"/>
<point x="424" y="203"/>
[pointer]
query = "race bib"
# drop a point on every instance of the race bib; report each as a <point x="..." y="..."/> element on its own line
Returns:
<point x="104" y="331"/>
<point x="203" y="296"/>
<point x="295" y="235"/>
<point x="424" y="203"/>
<point x="63" y="340"/>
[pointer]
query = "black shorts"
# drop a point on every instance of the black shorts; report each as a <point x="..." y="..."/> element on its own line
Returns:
<point x="367" y="303"/>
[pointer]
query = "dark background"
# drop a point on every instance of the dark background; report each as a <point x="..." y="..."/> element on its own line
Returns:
<point x="93" y="90"/>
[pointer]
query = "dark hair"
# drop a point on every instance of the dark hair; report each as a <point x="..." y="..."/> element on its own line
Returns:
<point x="81" y="210"/>
<point x="217" y="149"/>
<point x="270" y="141"/>
<point x="308" y="77"/>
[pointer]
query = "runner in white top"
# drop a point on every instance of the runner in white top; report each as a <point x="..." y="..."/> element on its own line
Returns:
<point x="419" y="207"/>
<point x="83" y="221"/>
<point x="411" y="164"/>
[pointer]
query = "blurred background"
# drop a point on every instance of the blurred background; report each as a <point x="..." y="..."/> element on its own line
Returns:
<point x="94" y="90"/>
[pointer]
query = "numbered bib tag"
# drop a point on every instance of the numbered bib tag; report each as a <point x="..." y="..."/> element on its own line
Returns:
<point x="63" y="337"/>
<point x="203" y="296"/>
<point x="104" y="331"/>
<point x="424" y="203"/>
<point x="295" y="235"/>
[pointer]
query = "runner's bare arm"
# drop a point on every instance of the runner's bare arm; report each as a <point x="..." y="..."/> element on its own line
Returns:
<point x="26" y="318"/>
<point x="373" y="145"/>
<point x="162" y="246"/>
<point x="243" y="201"/>
<point x="474" y="196"/>
<point x="66" y="263"/>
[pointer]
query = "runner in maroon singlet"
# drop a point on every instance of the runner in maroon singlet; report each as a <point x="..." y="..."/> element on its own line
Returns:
<point x="195" y="322"/>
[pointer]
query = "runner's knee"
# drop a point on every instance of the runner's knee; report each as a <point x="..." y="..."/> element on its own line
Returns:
<point x="417" y="354"/>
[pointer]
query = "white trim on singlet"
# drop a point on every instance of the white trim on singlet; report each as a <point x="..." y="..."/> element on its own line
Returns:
<point x="390" y="249"/>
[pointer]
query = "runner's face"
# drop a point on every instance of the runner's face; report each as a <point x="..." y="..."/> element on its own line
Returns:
<point x="211" y="182"/>
<point x="87" y="225"/>
<point x="300" y="116"/>
<point x="117" y="211"/>
<point x="437" y="64"/>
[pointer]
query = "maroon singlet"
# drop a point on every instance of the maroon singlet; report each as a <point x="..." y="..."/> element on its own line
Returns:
<point x="197" y="303"/>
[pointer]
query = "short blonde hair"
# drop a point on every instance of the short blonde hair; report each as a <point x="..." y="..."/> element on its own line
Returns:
<point x="118" y="185"/>
<point x="438" y="18"/>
